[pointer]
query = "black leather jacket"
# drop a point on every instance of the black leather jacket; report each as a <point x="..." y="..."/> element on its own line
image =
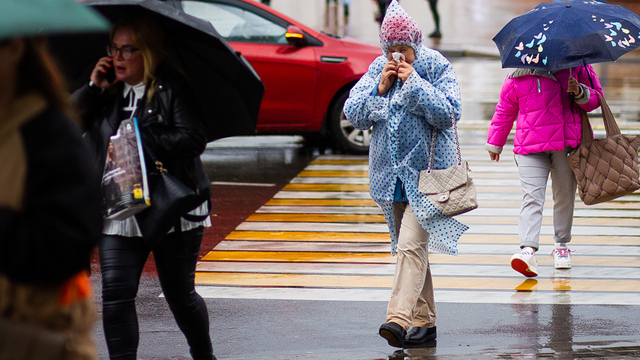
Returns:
<point x="170" y="124"/>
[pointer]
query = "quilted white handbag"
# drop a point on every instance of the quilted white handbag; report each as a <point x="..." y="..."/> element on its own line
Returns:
<point x="451" y="190"/>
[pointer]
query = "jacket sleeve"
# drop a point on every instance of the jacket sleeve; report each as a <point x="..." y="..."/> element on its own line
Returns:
<point x="364" y="106"/>
<point x="86" y="102"/>
<point x="436" y="99"/>
<point x="505" y="115"/>
<point x="181" y="136"/>
<point x="585" y="77"/>
<point x="53" y="236"/>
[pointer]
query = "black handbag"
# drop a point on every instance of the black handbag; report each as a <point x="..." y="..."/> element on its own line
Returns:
<point x="170" y="200"/>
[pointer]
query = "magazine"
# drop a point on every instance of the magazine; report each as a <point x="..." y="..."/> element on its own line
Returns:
<point x="124" y="181"/>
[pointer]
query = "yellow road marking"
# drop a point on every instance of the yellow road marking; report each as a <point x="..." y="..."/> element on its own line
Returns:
<point x="346" y="237"/>
<point x="326" y="187"/>
<point x="309" y="236"/>
<point x="492" y="175"/>
<point x="513" y="220"/>
<point x="321" y="202"/>
<point x="327" y="173"/>
<point x="337" y="257"/>
<point x="363" y="187"/>
<point x="340" y="162"/>
<point x="469" y="220"/>
<point x="284" y="256"/>
<point x="363" y="281"/>
<point x="548" y="239"/>
<point x="340" y="218"/>
<point x="616" y="205"/>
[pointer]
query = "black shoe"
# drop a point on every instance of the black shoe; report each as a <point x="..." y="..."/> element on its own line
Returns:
<point x="394" y="334"/>
<point x="418" y="336"/>
<point x="435" y="34"/>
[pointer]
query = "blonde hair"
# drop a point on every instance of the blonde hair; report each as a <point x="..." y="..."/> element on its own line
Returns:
<point x="148" y="37"/>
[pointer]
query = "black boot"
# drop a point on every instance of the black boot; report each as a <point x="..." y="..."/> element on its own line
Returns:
<point x="419" y="336"/>
<point x="393" y="333"/>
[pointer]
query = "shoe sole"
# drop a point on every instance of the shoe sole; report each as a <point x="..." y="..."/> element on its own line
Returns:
<point x="391" y="339"/>
<point x="568" y="266"/>
<point x="522" y="267"/>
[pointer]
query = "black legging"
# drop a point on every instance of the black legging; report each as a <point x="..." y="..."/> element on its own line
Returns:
<point x="382" y="8"/>
<point x="433" y="5"/>
<point x="122" y="260"/>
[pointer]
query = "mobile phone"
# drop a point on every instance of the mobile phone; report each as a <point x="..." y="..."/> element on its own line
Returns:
<point x="111" y="73"/>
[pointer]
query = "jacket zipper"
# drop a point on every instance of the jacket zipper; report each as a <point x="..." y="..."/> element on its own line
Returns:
<point x="539" y="87"/>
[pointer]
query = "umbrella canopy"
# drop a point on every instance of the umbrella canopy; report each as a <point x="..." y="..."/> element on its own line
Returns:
<point x="555" y="36"/>
<point x="47" y="17"/>
<point x="229" y="91"/>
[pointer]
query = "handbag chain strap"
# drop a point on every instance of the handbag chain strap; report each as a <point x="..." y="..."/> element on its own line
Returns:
<point x="432" y="143"/>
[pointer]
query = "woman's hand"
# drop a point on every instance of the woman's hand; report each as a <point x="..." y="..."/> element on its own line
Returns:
<point x="574" y="87"/>
<point x="99" y="73"/>
<point x="389" y="75"/>
<point x="494" y="156"/>
<point x="404" y="71"/>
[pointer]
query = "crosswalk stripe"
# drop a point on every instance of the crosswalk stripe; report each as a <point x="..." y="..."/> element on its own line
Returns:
<point x="460" y="270"/>
<point x="384" y="238"/>
<point x="309" y="236"/>
<point x="322" y="202"/>
<point x="450" y="296"/>
<point x="382" y="227"/>
<point x="310" y="173"/>
<point x="377" y="258"/>
<point x="362" y="281"/>
<point x="321" y="237"/>
<point x="465" y="248"/>
<point x="467" y="219"/>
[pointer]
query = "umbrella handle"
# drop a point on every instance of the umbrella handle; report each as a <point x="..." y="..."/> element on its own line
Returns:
<point x="572" y="96"/>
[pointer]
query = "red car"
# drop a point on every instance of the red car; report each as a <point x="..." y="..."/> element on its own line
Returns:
<point x="307" y="74"/>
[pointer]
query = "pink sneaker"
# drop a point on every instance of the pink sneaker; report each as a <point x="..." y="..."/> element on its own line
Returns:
<point x="525" y="262"/>
<point x="561" y="258"/>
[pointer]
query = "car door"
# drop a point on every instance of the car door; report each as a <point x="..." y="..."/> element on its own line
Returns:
<point x="287" y="71"/>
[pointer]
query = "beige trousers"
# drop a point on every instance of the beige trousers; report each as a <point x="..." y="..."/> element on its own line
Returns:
<point x="412" y="302"/>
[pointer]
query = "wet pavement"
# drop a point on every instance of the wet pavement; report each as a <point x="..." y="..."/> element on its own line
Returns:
<point x="248" y="172"/>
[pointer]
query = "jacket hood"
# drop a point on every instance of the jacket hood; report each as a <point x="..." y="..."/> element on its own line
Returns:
<point x="399" y="28"/>
<point x="523" y="72"/>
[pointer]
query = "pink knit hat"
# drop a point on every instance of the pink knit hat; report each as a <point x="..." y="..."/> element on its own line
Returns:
<point x="399" y="28"/>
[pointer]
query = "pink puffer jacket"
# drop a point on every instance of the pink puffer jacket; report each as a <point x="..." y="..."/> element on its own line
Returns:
<point x="542" y="107"/>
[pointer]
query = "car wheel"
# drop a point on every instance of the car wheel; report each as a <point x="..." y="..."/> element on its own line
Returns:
<point x="345" y="136"/>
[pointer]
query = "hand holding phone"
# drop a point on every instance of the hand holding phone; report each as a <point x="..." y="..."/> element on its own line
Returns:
<point x="110" y="73"/>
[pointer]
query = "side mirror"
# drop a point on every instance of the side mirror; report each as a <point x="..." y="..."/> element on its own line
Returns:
<point x="295" y="36"/>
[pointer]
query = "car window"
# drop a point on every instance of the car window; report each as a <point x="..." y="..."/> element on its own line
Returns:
<point x="237" y="24"/>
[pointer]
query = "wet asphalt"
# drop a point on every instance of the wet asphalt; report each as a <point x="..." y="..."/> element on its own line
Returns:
<point x="279" y="329"/>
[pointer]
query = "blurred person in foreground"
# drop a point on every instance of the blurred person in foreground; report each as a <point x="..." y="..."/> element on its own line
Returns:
<point x="50" y="204"/>
<point x="407" y="92"/>
<point x="147" y="87"/>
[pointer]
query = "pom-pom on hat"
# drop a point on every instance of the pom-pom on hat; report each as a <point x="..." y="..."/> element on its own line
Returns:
<point x="399" y="28"/>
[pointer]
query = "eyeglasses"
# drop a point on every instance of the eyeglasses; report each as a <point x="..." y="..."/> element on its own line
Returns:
<point x="125" y="51"/>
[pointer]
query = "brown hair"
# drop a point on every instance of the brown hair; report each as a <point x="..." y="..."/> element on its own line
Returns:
<point x="148" y="37"/>
<point x="39" y="72"/>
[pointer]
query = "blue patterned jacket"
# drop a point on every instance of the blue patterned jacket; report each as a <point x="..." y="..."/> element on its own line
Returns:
<point x="402" y="120"/>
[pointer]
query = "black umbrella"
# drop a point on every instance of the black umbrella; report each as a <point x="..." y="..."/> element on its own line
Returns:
<point x="228" y="89"/>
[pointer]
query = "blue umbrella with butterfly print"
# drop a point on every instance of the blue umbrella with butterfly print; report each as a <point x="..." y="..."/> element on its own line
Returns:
<point x="562" y="35"/>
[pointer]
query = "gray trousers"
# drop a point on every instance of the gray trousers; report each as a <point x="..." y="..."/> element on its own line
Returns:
<point x="412" y="302"/>
<point x="534" y="171"/>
